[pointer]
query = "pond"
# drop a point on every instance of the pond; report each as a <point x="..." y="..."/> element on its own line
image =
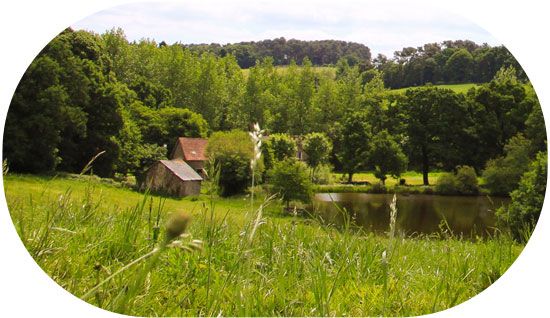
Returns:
<point x="416" y="214"/>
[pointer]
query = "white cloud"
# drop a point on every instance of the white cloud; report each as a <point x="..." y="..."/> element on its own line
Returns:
<point x="384" y="26"/>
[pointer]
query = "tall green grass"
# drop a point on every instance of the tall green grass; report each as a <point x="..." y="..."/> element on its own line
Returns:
<point x="81" y="232"/>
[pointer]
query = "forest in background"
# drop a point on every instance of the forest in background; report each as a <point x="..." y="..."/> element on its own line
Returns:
<point x="85" y="93"/>
<point x="447" y="62"/>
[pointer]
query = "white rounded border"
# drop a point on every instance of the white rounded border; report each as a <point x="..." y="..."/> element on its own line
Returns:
<point x="28" y="25"/>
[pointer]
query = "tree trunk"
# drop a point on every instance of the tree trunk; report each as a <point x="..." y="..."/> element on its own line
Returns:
<point x="350" y="177"/>
<point x="425" y="166"/>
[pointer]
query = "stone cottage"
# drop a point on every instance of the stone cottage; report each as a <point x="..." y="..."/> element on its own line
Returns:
<point x="182" y="175"/>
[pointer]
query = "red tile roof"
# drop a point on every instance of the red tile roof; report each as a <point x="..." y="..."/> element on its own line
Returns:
<point x="194" y="149"/>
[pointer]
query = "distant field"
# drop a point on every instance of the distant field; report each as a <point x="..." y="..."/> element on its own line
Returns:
<point x="330" y="70"/>
<point x="411" y="177"/>
<point x="458" y="88"/>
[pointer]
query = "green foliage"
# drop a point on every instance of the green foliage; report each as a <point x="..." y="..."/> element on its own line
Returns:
<point x="281" y="146"/>
<point x="151" y="94"/>
<point x="231" y="153"/>
<point x="135" y="156"/>
<point x="535" y="130"/>
<point x="502" y="174"/>
<point x="353" y="143"/>
<point x="317" y="148"/>
<point x="87" y="93"/>
<point x="437" y="124"/>
<point x="283" y="51"/>
<point x="258" y="96"/>
<point x="500" y="109"/>
<point x="291" y="181"/>
<point x="179" y="122"/>
<point x="162" y="127"/>
<point x="323" y="174"/>
<point x="463" y="181"/>
<point x="444" y="63"/>
<point x="386" y="156"/>
<point x="66" y="108"/>
<point x="459" y="66"/>
<point x="523" y="212"/>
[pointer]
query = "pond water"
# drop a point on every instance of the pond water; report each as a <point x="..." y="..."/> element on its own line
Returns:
<point x="416" y="214"/>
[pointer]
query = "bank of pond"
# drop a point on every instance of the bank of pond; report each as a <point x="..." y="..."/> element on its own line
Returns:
<point x="386" y="189"/>
<point x="418" y="214"/>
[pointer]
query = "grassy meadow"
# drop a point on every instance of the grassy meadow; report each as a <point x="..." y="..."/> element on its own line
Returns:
<point x="101" y="242"/>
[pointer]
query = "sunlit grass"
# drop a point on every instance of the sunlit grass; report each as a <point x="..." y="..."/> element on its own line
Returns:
<point x="81" y="232"/>
<point x="411" y="178"/>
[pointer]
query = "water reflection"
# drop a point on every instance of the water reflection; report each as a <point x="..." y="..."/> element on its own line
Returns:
<point x="416" y="214"/>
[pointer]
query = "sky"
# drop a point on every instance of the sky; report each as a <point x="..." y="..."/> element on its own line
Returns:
<point x="384" y="26"/>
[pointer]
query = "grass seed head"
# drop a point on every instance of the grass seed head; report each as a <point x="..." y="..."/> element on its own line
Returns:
<point x="176" y="225"/>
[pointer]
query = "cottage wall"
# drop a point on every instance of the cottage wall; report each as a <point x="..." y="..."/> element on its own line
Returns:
<point x="160" y="179"/>
<point x="178" y="152"/>
<point x="196" y="165"/>
<point x="192" y="187"/>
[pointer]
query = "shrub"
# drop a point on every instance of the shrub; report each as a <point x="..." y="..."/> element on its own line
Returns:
<point x="290" y="179"/>
<point x="386" y="156"/>
<point x="467" y="180"/>
<point x="231" y="153"/>
<point x="523" y="212"/>
<point x="323" y="174"/>
<point x="502" y="174"/>
<point x="446" y="184"/>
<point x="282" y="146"/>
<point x="464" y="182"/>
<point x="318" y="147"/>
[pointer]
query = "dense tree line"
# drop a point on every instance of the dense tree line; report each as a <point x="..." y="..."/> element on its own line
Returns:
<point x="459" y="61"/>
<point x="283" y="51"/>
<point x="70" y="106"/>
<point x="86" y="93"/>
<point x="447" y="62"/>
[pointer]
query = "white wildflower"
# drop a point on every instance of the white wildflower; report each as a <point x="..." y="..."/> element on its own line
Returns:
<point x="393" y="215"/>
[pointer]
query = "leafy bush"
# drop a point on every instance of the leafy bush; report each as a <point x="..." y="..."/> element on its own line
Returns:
<point x="464" y="182"/>
<point x="467" y="180"/>
<point x="231" y="153"/>
<point x="523" y="212"/>
<point x="318" y="147"/>
<point x="291" y="180"/>
<point x="502" y="174"/>
<point x="446" y="184"/>
<point x="323" y="174"/>
<point x="282" y="146"/>
<point x="386" y="156"/>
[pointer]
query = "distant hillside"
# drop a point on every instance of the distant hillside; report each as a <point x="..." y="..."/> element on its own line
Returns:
<point x="439" y="62"/>
<point x="323" y="52"/>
